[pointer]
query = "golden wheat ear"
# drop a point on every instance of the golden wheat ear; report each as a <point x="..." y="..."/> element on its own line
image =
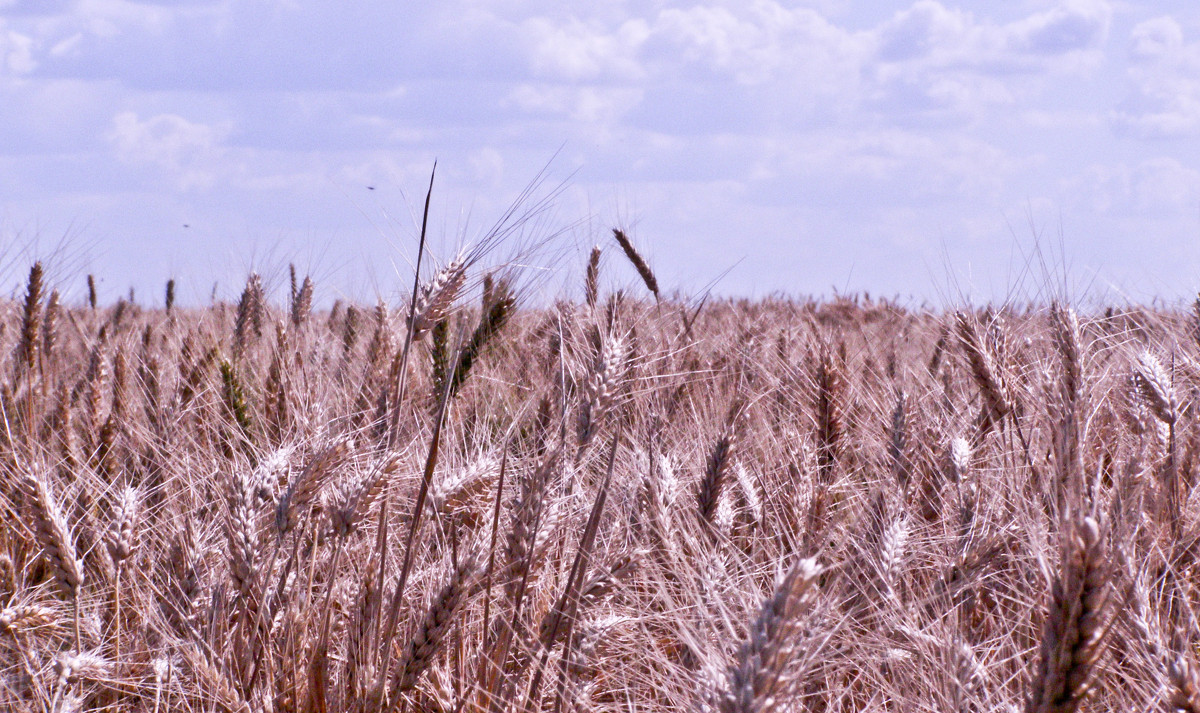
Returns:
<point x="1184" y="695"/>
<point x="639" y="263"/>
<point x="1077" y="623"/>
<point x="764" y="674"/>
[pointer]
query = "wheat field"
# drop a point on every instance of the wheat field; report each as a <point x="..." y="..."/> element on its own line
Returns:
<point x="622" y="502"/>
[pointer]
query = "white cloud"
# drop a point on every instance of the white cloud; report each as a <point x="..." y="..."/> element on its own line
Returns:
<point x="579" y="50"/>
<point x="942" y="64"/>
<point x="1164" y="185"/>
<point x="946" y="37"/>
<point x="1156" y="187"/>
<point x="16" y="53"/>
<point x="762" y="41"/>
<point x="902" y="167"/>
<point x="585" y="104"/>
<point x="1163" y="98"/>
<point x="487" y="166"/>
<point x="187" y="151"/>
<point x="1073" y="26"/>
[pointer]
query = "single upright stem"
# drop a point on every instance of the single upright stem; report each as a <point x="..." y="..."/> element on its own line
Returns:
<point x="409" y="542"/>
<point x="117" y="614"/>
<point x="78" y="639"/>
<point x="412" y="308"/>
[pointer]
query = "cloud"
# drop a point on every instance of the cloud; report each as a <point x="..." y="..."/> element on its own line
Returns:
<point x="1074" y="26"/>
<point x="16" y="53"/>
<point x="1163" y="83"/>
<point x="585" y="51"/>
<point x="761" y="42"/>
<point x="187" y="151"/>
<point x="937" y="64"/>
<point x="1156" y="187"/>
<point x="930" y="32"/>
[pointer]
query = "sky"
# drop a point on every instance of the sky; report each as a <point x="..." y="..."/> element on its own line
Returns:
<point x="935" y="151"/>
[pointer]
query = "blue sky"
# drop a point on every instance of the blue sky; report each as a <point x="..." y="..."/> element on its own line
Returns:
<point x="931" y="149"/>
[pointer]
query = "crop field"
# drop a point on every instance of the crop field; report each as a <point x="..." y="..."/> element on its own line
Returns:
<point x="619" y="501"/>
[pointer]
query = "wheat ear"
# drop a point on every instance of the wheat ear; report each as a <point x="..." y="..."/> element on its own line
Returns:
<point x="1185" y="686"/>
<point x="984" y="370"/>
<point x="639" y="263"/>
<point x="761" y="679"/>
<point x="241" y="528"/>
<point x="428" y="638"/>
<point x="23" y="617"/>
<point x="708" y="494"/>
<point x="302" y="306"/>
<point x="31" y="319"/>
<point x="600" y="390"/>
<point x="1076" y="625"/>
<point x="831" y="386"/>
<point x="1154" y="386"/>
<point x="304" y="488"/>
<point x="1068" y="404"/>
<point x="357" y="496"/>
<point x="898" y="442"/>
<point x="591" y="281"/>
<point x="433" y="304"/>
<point x="120" y="547"/>
<point x="527" y="523"/>
<point x="57" y="543"/>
